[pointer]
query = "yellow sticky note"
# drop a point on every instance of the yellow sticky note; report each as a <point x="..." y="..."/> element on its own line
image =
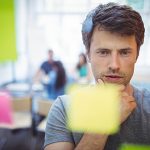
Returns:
<point x="73" y="87"/>
<point x="94" y="109"/>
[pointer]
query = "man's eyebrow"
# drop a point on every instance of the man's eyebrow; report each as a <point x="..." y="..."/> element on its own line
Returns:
<point x="99" y="49"/>
<point x="127" y="49"/>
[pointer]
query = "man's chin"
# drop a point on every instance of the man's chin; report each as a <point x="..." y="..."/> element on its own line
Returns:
<point x="112" y="82"/>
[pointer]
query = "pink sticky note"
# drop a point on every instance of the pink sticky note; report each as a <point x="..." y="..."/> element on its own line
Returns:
<point x="5" y="108"/>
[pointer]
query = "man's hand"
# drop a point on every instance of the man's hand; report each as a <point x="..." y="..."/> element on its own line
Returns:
<point x="128" y="103"/>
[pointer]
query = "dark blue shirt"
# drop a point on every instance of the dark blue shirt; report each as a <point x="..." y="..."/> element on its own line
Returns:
<point x="46" y="67"/>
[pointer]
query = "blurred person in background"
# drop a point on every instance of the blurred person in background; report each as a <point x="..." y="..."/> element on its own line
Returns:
<point x="57" y="80"/>
<point x="82" y="70"/>
<point x="45" y="68"/>
<point x="41" y="78"/>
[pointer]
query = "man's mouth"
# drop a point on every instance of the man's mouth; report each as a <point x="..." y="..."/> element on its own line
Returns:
<point x="112" y="78"/>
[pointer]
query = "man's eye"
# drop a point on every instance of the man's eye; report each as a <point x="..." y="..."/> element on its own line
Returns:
<point x="125" y="53"/>
<point x="103" y="53"/>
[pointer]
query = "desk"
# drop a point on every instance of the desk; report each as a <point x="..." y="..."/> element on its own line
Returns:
<point x="20" y="120"/>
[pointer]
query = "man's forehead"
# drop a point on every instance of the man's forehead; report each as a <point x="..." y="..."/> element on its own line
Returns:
<point x="100" y="28"/>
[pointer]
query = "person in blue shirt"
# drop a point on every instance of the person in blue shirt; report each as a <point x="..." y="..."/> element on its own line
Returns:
<point x="45" y="67"/>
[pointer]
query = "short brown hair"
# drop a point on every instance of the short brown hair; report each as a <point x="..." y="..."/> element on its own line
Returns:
<point x="121" y="19"/>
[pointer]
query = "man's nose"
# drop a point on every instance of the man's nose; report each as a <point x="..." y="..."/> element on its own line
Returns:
<point x="114" y="64"/>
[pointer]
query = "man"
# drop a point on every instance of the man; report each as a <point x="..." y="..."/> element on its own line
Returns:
<point x="45" y="67"/>
<point x="112" y="35"/>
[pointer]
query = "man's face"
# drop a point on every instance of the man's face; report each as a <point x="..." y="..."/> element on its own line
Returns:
<point x="112" y="56"/>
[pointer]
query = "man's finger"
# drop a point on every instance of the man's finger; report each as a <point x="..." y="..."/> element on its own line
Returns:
<point x="100" y="81"/>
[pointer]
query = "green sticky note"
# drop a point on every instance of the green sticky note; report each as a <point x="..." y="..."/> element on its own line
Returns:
<point x="7" y="31"/>
<point x="94" y="109"/>
<point x="134" y="147"/>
